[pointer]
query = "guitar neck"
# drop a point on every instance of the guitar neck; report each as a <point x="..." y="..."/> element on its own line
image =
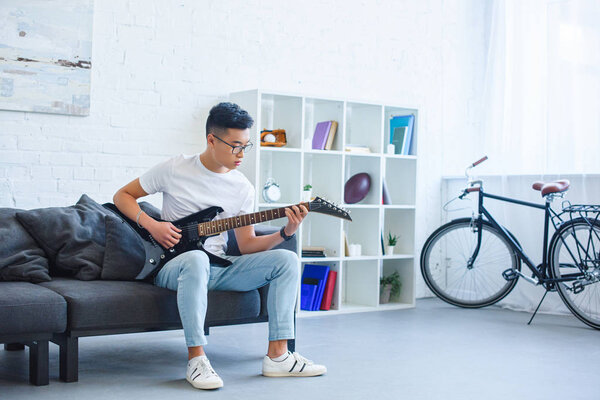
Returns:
<point x="223" y="225"/>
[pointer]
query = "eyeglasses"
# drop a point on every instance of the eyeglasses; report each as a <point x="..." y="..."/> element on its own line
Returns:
<point x="236" y="149"/>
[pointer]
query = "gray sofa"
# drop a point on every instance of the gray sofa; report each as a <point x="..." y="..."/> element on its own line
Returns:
<point x="64" y="309"/>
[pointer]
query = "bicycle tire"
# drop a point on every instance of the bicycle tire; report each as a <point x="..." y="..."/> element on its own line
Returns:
<point x="500" y="287"/>
<point x="561" y="264"/>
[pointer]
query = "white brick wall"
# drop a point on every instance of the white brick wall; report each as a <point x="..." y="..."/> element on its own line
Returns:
<point x="158" y="67"/>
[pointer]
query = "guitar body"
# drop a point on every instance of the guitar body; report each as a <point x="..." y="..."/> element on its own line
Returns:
<point x="157" y="256"/>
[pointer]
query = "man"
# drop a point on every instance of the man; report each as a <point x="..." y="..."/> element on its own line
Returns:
<point x="193" y="183"/>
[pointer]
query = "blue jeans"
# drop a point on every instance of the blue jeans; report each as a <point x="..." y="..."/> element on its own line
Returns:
<point x="192" y="276"/>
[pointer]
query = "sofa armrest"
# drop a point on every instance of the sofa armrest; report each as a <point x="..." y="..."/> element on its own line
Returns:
<point x="233" y="249"/>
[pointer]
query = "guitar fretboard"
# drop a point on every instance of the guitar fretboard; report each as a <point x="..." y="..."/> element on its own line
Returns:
<point x="223" y="225"/>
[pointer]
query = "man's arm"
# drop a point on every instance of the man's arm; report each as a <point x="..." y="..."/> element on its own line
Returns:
<point x="248" y="242"/>
<point x="125" y="199"/>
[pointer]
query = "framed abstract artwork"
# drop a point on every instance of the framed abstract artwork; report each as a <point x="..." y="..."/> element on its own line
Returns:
<point x="46" y="56"/>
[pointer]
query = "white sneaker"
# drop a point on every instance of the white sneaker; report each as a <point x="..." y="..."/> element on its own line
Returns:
<point x="201" y="374"/>
<point x="293" y="365"/>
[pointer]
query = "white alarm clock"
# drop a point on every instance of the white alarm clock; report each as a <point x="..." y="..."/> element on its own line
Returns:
<point x="271" y="192"/>
<point x="269" y="138"/>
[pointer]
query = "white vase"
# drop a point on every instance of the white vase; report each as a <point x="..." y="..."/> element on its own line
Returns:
<point x="384" y="293"/>
<point x="389" y="250"/>
<point x="306" y="195"/>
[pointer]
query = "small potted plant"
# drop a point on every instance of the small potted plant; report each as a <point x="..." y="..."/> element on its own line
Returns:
<point x="389" y="286"/>
<point x="392" y="240"/>
<point x="307" y="193"/>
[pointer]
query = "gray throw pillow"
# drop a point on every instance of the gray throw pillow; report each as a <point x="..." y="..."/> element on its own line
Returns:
<point x="21" y="259"/>
<point x="73" y="237"/>
<point x="124" y="256"/>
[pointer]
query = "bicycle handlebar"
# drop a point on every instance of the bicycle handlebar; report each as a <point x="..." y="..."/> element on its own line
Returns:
<point x="471" y="182"/>
<point x="476" y="163"/>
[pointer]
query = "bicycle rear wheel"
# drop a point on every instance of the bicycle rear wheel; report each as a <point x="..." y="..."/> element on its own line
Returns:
<point x="444" y="264"/>
<point x="574" y="256"/>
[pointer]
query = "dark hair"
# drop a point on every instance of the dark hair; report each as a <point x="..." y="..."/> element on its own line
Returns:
<point x="227" y="115"/>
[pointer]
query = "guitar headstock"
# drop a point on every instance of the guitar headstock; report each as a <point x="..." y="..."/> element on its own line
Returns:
<point x="323" y="206"/>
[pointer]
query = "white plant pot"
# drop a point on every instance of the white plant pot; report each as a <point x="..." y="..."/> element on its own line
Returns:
<point x="306" y="195"/>
<point x="389" y="250"/>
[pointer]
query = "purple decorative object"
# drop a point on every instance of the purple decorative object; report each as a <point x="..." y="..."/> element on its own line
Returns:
<point x="357" y="188"/>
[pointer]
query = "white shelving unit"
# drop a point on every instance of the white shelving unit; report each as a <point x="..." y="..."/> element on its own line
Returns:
<point x="297" y="164"/>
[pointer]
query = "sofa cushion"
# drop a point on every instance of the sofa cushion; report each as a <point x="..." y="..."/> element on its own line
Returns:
<point x="72" y="237"/>
<point x="124" y="255"/>
<point x="104" y="304"/>
<point x="21" y="259"/>
<point x="29" y="308"/>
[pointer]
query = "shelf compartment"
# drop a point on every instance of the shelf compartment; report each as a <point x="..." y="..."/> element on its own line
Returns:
<point x="370" y="165"/>
<point x="363" y="125"/>
<point x="405" y="268"/>
<point x="322" y="230"/>
<point x="364" y="230"/>
<point x="336" y="299"/>
<point x="401" y="179"/>
<point x="390" y="112"/>
<point x="323" y="171"/>
<point x="282" y="112"/>
<point x="283" y="168"/>
<point x="318" y="110"/>
<point x="400" y="222"/>
<point x="360" y="283"/>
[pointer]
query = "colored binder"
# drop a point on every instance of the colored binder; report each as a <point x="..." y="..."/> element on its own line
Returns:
<point x="319" y="272"/>
<point x="308" y="292"/>
<point x="328" y="294"/>
<point x="320" y="135"/>
<point x="401" y="130"/>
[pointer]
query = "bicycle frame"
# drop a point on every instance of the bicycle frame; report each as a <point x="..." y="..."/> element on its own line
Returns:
<point x="542" y="272"/>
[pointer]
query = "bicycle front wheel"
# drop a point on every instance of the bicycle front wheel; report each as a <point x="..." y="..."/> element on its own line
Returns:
<point x="574" y="256"/>
<point x="444" y="261"/>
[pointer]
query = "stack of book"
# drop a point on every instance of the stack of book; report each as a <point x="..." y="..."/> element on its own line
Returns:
<point x="318" y="283"/>
<point x="313" y="251"/>
<point x="401" y="132"/>
<point x="324" y="135"/>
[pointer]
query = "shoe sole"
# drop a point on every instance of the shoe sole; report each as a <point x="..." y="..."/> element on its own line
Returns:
<point x="215" y="385"/>
<point x="284" y="374"/>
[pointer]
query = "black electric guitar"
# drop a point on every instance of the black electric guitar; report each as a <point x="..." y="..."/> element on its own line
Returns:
<point x="197" y="227"/>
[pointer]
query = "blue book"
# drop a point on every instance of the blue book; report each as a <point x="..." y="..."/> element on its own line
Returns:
<point x="401" y="131"/>
<point x="320" y="273"/>
<point x="307" y="296"/>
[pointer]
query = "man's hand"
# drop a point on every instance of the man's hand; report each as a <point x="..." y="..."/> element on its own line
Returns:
<point x="165" y="233"/>
<point x="295" y="216"/>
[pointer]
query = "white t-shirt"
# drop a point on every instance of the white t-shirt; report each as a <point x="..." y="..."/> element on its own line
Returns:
<point x="188" y="187"/>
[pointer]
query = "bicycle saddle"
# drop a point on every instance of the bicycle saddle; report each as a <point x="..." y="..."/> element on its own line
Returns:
<point x="551" y="187"/>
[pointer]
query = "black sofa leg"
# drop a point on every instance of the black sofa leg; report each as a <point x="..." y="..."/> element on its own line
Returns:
<point x="69" y="359"/>
<point x="38" y="362"/>
<point x="14" y="346"/>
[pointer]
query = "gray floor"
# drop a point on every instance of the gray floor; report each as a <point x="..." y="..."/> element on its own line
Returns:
<point x="434" y="351"/>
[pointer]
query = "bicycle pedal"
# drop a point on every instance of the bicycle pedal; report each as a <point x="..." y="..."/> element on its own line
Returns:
<point x="577" y="287"/>
<point x="510" y="274"/>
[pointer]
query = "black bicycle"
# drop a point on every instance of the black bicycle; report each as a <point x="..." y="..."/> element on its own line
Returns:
<point x="475" y="262"/>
